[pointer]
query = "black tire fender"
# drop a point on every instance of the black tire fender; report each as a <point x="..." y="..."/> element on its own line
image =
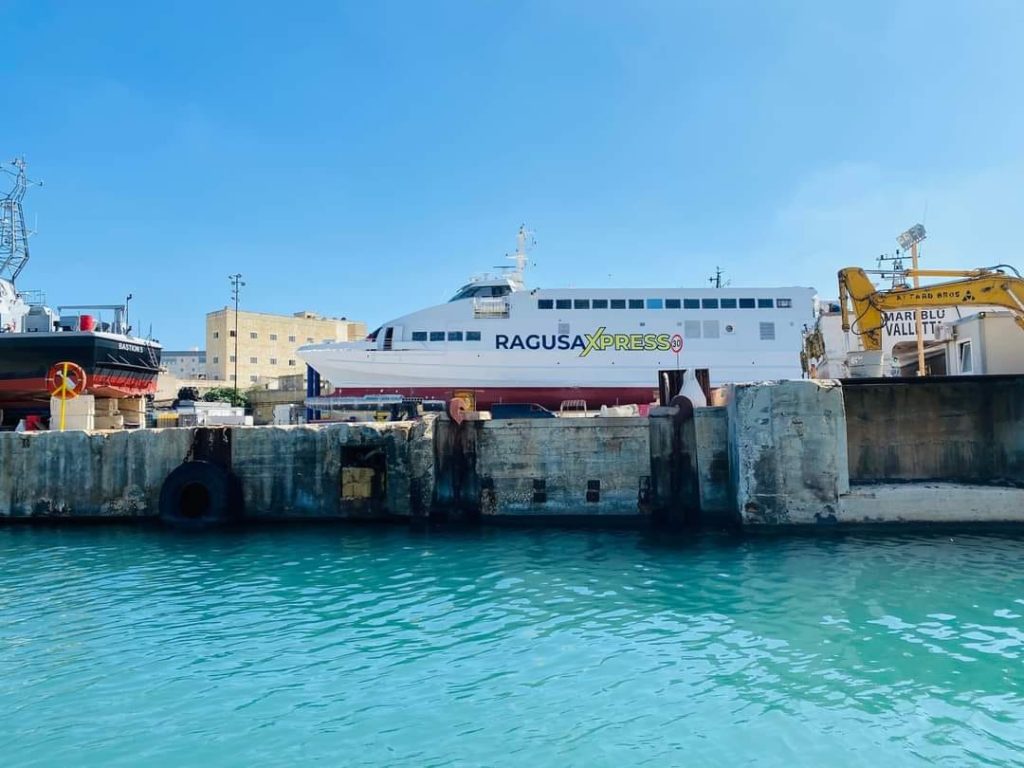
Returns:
<point x="199" y="494"/>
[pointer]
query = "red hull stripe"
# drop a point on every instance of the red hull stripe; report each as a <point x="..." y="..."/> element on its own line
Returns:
<point x="103" y="385"/>
<point x="549" y="397"/>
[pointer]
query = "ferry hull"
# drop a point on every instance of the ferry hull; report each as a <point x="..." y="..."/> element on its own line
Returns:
<point x="485" y="397"/>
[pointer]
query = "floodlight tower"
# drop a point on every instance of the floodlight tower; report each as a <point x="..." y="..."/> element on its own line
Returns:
<point x="236" y="288"/>
<point x="910" y="239"/>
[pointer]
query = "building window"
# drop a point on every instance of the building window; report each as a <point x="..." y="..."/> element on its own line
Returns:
<point x="728" y="303"/>
<point x="253" y="335"/>
<point x="655" y="304"/>
<point x="252" y="378"/>
<point x="599" y="304"/>
<point x="273" y="361"/>
<point x="216" y="360"/>
<point x="231" y="334"/>
<point x="472" y="335"/>
<point x="768" y="331"/>
<point x="710" y="329"/>
<point x="691" y="329"/>
<point x="673" y="303"/>
<point x="291" y="362"/>
<point x="253" y="360"/>
<point x="309" y="339"/>
<point x="232" y="377"/>
<point x="273" y="337"/>
<point x="419" y="335"/>
<point x="291" y="339"/>
<point x="765" y="303"/>
<point x="437" y="335"/>
<point x="216" y="334"/>
<point x="709" y="303"/>
<point x="783" y="303"/>
<point x="563" y="304"/>
<point x="966" y="358"/>
<point x="747" y="304"/>
<point x="691" y="303"/>
<point x="581" y="304"/>
<point x="545" y="304"/>
<point x="618" y="303"/>
<point x="232" y="359"/>
<point x="636" y="303"/>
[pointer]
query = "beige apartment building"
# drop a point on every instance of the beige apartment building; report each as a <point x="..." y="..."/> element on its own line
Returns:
<point x="267" y="343"/>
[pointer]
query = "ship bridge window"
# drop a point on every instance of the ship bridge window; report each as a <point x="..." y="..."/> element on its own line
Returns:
<point x="454" y="335"/>
<point x="485" y="291"/>
<point x="472" y="335"/>
<point x="765" y="303"/>
<point x="599" y="304"/>
<point x="709" y="303"/>
<point x="691" y="303"/>
<point x="545" y="304"/>
<point x="728" y="303"/>
<point x="618" y="303"/>
<point x="563" y="304"/>
<point x="437" y="335"/>
<point x="636" y="303"/>
<point x="783" y="303"/>
<point x="747" y="304"/>
<point x="673" y="304"/>
<point x="655" y="304"/>
<point x="581" y="304"/>
<point x="419" y="335"/>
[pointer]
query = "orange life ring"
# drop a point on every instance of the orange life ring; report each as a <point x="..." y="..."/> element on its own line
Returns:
<point x="66" y="380"/>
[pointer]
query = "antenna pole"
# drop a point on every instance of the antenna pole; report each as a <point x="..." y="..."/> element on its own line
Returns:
<point x="236" y="288"/>
<point x="13" y="232"/>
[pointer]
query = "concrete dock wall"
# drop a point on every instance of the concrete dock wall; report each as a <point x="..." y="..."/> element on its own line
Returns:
<point x="81" y="474"/>
<point x="544" y="467"/>
<point x="777" y="454"/>
<point x="787" y="446"/>
<point x="966" y="429"/>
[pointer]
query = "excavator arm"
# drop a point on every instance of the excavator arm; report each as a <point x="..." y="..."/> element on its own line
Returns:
<point x="985" y="288"/>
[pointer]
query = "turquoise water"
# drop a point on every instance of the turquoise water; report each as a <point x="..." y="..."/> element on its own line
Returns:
<point x="380" y="647"/>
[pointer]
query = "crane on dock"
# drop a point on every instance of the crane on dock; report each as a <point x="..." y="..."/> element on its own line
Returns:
<point x="984" y="287"/>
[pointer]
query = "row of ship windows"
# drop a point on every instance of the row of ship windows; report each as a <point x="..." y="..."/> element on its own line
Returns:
<point x="664" y="303"/>
<point x="692" y="329"/>
<point x="441" y="336"/>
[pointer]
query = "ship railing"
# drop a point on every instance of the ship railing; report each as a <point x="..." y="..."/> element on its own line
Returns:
<point x="490" y="307"/>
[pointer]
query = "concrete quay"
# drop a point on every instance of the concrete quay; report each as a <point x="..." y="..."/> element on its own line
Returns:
<point x="777" y="454"/>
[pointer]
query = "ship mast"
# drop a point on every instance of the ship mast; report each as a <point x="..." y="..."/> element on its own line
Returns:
<point x="520" y="257"/>
<point x="13" y="232"/>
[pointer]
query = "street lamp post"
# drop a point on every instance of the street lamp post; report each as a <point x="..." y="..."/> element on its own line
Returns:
<point x="236" y="287"/>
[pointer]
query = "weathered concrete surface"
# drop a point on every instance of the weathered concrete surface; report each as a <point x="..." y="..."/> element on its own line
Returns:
<point x="967" y="429"/>
<point x="931" y="503"/>
<point x="298" y="471"/>
<point x="562" y="467"/>
<point x="81" y="474"/>
<point x="717" y="504"/>
<point x="787" y="444"/>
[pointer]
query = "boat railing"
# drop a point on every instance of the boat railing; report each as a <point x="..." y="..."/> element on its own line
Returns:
<point x="490" y="307"/>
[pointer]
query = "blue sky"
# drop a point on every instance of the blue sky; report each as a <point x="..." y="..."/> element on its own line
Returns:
<point x="363" y="159"/>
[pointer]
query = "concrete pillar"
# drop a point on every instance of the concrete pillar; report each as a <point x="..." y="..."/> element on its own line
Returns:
<point x="788" y="455"/>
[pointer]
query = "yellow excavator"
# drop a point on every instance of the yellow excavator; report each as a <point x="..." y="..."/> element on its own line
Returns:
<point x="985" y="287"/>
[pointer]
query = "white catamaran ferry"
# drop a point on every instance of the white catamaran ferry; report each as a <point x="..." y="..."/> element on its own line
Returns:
<point x="507" y="343"/>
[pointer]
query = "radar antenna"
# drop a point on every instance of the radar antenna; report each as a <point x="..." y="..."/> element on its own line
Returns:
<point x="13" y="232"/>
<point x="524" y="241"/>
<point x="716" y="279"/>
